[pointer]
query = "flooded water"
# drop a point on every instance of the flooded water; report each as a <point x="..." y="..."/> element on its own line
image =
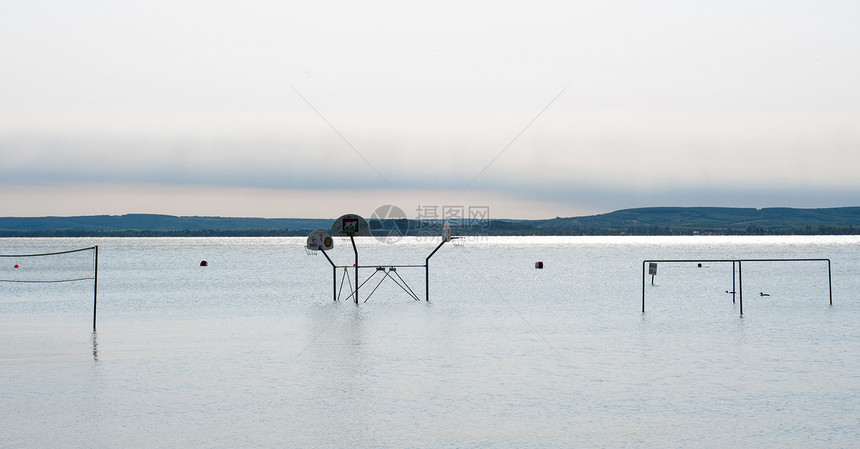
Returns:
<point x="252" y="351"/>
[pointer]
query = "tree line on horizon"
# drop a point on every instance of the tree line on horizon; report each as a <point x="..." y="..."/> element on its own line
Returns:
<point x="500" y="228"/>
<point x="642" y="221"/>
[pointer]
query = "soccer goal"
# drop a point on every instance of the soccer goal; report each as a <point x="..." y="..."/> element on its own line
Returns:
<point x="737" y="273"/>
<point x="76" y="265"/>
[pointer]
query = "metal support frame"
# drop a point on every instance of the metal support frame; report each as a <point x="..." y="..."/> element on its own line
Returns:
<point x="739" y="289"/>
<point x="387" y="271"/>
<point x="334" y="272"/>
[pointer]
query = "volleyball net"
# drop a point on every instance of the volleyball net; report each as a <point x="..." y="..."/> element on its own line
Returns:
<point x="54" y="267"/>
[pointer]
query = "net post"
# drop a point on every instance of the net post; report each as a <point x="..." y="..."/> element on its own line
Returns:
<point x="95" y="284"/>
<point x="643" y="285"/>
<point x="829" y="282"/>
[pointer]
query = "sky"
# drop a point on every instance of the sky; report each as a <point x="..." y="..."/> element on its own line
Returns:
<point x="530" y="109"/>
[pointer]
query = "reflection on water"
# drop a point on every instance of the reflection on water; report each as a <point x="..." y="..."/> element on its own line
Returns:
<point x="95" y="346"/>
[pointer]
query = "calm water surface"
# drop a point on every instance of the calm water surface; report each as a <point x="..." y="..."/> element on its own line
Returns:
<point x="251" y="351"/>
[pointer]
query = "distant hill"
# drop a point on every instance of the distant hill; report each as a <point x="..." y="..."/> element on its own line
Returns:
<point x="641" y="221"/>
<point x="727" y="219"/>
<point x="161" y="224"/>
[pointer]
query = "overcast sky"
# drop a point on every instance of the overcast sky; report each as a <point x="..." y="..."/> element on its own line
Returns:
<point x="533" y="109"/>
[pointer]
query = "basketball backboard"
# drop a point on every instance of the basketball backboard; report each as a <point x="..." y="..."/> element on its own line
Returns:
<point x="320" y="240"/>
<point x="350" y="225"/>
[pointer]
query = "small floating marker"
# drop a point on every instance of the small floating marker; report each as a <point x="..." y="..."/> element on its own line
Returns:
<point x="539" y="265"/>
<point x="16" y="265"/>
<point x="203" y="263"/>
<point x="700" y="265"/>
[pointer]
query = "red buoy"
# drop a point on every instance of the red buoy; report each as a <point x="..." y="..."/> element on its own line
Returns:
<point x="203" y="263"/>
<point x="16" y="265"/>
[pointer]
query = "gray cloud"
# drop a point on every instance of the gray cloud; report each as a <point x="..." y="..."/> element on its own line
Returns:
<point x="697" y="103"/>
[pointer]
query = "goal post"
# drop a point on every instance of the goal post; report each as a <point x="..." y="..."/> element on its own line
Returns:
<point x="41" y="268"/>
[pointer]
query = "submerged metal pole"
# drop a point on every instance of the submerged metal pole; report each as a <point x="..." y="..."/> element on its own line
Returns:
<point x="741" y="287"/>
<point x="354" y="249"/>
<point x="95" y="285"/>
<point x="643" y="285"/>
<point x="427" y="272"/>
<point x="734" y="289"/>
<point x="333" y="275"/>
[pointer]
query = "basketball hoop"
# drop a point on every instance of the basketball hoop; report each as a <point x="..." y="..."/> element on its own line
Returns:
<point x="318" y="240"/>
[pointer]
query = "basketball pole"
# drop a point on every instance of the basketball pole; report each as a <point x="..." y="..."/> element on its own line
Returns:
<point x="427" y="272"/>
<point x="333" y="275"/>
<point x="354" y="249"/>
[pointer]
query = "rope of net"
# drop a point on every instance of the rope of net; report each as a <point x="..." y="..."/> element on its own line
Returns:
<point x="57" y="253"/>
<point x="46" y="282"/>
<point x="48" y="254"/>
